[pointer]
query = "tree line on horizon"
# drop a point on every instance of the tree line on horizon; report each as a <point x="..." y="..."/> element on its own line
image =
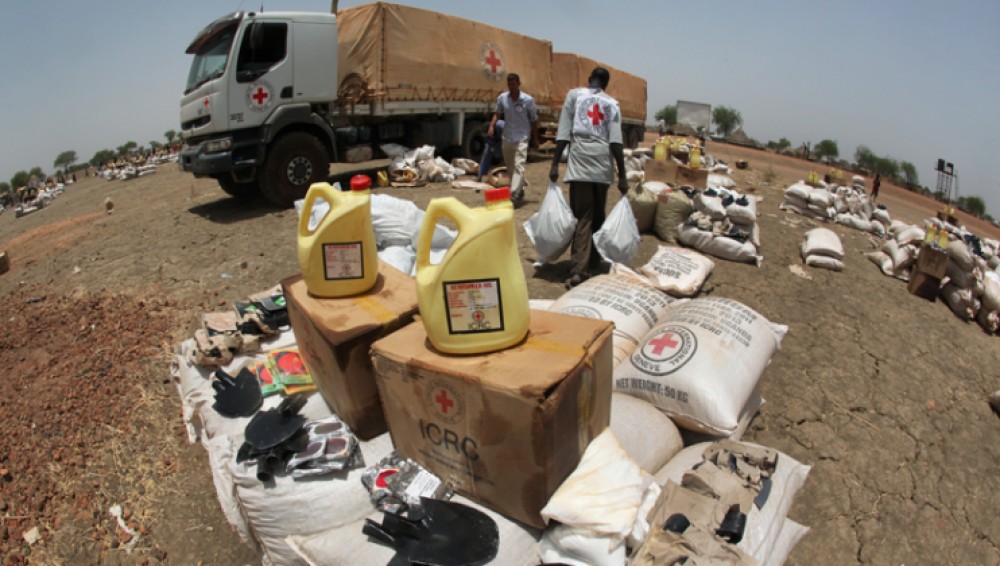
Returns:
<point x="66" y="162"/>
<point x="903" y="173"/>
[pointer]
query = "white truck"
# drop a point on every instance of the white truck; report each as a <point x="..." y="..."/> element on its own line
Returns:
<point x="273" y="98"/>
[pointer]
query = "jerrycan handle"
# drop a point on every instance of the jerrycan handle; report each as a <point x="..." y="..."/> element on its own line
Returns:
<point x="329" y="194"/>
<point x="438" y="208"/>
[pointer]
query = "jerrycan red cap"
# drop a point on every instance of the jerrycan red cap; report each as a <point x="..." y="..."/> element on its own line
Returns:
<point x="498" y="195"/>
<point x="361" y="183"/>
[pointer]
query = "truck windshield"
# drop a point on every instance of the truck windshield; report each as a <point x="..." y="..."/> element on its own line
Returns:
<point x="211" y="51"/>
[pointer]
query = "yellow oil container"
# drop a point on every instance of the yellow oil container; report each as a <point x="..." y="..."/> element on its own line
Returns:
<point x="695" y="157"/>
<point x="339" y="258"/>
<point x="661" y="149"/>
<point x="476" y="299"/>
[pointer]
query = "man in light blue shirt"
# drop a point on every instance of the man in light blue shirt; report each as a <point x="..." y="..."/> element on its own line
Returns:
<point x="520" y="115"/>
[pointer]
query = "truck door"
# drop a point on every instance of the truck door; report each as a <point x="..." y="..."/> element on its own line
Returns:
<point x="263" y="73"/>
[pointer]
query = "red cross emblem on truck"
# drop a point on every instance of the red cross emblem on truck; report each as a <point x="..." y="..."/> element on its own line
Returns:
<point x="260" y="96"/>
<point x="491" y="61"/>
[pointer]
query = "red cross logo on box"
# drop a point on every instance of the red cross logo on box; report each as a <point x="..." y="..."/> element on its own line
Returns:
<point x="444" y="401"/>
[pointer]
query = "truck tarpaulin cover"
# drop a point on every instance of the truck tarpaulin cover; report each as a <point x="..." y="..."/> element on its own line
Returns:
<point x="570" y="70"/>
<point x="404" y="53"/>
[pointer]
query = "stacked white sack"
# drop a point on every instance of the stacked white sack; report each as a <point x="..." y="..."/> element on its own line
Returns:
<point x="822" y="248"/>
<point x="723" y="224"/>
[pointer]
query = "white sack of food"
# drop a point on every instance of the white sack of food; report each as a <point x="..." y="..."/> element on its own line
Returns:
<point x="618" y="238"/>
<point x="678" y="271"/>
<point x="672" y="208"/>
<point x="743" y="210"/>
<point x="710" y="206"/>
<point x="882" y="215"/>
<point x="991" y="291"/>
<point x="647" y="435"/>
<point x="764" y="524"/>
<point x="726" y="248"/>
<point x="468" y="166"/>
<point x="882" y="260"/>
<point x="823" y="241"/>
<point x="988" y="320"/>
<point x="788" y="536"/>
<point x="821" y="197"/>
<point x="701" y="363"/>
<point x="909" y="235"/>
<point x="799" y="190"/>
<point x="960" y="277"/>
<point x="824" y="262"/>
<point x="634" y="177"/>
<point x="572" y="546"/>
<point x="551" y="229"/>
<point x="633" y="305"/>
<point x="853" y="221"/>
<point x="717" y="180"/>
<point x="643" y="203"/>
<point x="960" y="253"/>
<point x="877" y="228"/>
<point x="961" y="301"/>
<point x="602" y="494"/>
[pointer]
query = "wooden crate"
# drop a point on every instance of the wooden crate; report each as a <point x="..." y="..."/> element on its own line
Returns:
<point x="924" y="285"/>
<point x="931" y="261"/>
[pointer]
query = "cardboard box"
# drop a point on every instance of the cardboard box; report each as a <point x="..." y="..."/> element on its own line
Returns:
<point x="503" y="429"/>
<point x="669" y="171"/>
<point x="334" y="337"/>
<point x="923" y="285"/>
<point x="932" y="262"/>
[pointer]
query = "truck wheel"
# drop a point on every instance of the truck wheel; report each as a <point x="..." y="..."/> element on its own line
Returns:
<point x="242" y="191"/>
<point x="473" y="140"/>
<point x="296" y="161"/>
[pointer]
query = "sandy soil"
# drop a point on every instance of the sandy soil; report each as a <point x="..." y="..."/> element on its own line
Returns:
<point x="881" y="392"/>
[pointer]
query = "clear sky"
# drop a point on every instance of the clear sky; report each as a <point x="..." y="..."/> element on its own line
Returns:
<point x="911" y="79"/>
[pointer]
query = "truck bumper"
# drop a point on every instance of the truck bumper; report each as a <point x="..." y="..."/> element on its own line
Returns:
<point x="240" y="159"/>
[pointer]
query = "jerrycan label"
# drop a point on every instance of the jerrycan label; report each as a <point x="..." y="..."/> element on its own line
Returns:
<point x="473" y="306"/>
<point x="343" y="260"/>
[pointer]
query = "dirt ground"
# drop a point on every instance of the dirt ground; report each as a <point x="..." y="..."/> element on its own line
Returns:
<point x="881" y="392"/>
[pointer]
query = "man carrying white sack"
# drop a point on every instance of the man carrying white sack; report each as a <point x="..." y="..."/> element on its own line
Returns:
<point x="590" y="124"/>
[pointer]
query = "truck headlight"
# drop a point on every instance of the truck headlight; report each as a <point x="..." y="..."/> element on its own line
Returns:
<point x="216" y="146"/>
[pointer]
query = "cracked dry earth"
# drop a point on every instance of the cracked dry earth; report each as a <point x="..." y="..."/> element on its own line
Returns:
<point x="884" y="394"/>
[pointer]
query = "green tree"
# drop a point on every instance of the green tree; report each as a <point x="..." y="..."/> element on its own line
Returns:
<point x="4" y="187"/>
<point x="909" y="173"/>
<point x="155" y="145"/>
<point x="101" y="157"/>
<point x="726" y="119"/>
<point x="65" y="159"/>
<point x="826" y="149"/>
<point x="38" y="174"/>
<point x="126" y="147"/>
<point x="170" y="135"/>
<point x="20" y="179"/>
<point x="668" y="114"/>
<point x="973" y="205"/>
<point x="779" y="145"/>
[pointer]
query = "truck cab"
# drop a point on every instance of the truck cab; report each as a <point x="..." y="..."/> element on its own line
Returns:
<point x="248" y="101"/>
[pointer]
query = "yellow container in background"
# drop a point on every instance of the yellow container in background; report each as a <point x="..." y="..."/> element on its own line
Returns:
<point x="660" y="149"/>
<point x="695" y="157"/>
<point x="339" y="258"/>
<point x="476" y="299"/>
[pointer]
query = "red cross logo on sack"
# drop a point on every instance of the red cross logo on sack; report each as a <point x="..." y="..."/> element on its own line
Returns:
<point x="444" y="402"/>
<point x="665" y="349"/>
<point x="259" y="96"/>
<point x="491" y="61"/>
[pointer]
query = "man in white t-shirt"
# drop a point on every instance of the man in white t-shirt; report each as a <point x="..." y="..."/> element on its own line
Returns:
<point x="520" y="115"/>
<point x="591" y="125"/>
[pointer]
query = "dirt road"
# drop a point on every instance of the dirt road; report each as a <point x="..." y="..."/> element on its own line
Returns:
<point x="881" y="392"/>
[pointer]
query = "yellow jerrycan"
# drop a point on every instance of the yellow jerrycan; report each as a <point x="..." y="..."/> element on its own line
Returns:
<point x="695" y="157"/>
<point x="476" y="299"/>
<point x="660" y="149"/>
<point x="339" y="258"/>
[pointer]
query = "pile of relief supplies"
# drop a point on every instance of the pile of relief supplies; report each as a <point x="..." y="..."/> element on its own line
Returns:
<point x="417" y="167"/>
<point x="846" y="205"/>
<point x="971" y="286"/>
